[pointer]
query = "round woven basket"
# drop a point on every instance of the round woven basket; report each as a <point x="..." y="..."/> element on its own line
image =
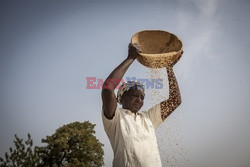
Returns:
<point x="158" y="48"/>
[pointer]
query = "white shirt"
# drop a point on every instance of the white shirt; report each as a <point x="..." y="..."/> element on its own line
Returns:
<point x="132" y="137"/>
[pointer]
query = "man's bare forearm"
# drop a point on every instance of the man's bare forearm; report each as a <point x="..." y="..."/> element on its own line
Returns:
<point x="108" y="95"/>
<point x="174" y="100"/>
<point x="116" y="75"/>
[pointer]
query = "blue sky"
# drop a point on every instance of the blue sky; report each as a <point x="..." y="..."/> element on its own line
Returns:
<point x="48" y="48"/>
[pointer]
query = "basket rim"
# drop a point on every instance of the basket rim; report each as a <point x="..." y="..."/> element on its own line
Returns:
<point x="158" y="54"/>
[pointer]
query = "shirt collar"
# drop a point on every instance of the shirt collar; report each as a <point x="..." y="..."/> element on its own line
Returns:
<point x="130" y="112"/>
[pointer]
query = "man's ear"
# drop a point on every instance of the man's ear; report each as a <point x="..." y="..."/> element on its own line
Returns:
<point x="123" y="97"/>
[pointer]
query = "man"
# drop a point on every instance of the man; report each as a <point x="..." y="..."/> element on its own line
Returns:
<point x="132" y="133"/>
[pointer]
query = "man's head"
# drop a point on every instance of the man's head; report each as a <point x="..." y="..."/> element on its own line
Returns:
<point x="131" y="96"/>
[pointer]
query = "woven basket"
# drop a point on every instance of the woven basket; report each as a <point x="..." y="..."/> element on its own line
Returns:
<point x="159" y="48"/>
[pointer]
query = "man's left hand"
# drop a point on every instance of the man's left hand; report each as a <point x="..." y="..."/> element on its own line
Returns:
<point x="174" y="62"/>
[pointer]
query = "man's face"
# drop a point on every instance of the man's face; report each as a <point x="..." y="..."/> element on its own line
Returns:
<point x="133" y="100"/>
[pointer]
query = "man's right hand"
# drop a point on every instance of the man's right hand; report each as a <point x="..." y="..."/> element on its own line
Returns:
<point x="133" y="50"/>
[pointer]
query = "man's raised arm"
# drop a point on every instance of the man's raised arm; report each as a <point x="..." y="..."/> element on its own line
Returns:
<point x="108" y="95"/>
<point x="174" y="100"/>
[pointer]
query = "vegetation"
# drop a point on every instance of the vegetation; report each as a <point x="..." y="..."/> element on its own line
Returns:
<point x="72" y="145"/>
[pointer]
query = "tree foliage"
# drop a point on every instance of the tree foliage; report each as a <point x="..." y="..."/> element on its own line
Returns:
<point x="23" y="154"/>
<point x="73" y="144"/>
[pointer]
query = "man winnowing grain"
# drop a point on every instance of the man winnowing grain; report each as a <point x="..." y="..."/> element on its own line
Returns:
<point x="130" y="131"/>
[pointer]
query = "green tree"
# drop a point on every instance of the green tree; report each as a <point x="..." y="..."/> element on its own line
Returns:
<point x="24" y="155"/>
<point x="73" y="145"/>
